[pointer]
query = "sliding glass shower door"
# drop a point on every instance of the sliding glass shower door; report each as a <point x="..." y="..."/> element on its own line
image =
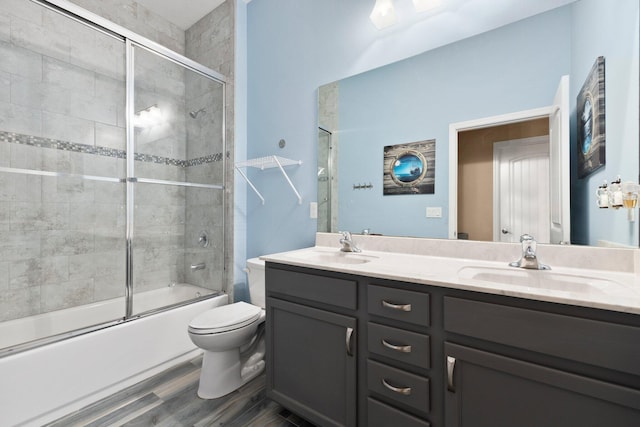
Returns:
<point x="62" y="170"/>
<point x="178" y="170"/>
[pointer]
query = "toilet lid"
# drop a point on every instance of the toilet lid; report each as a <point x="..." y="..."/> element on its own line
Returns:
<point x="225" y="318"/>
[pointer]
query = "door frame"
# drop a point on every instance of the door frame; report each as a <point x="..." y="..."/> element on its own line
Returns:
<point x="456" y="128"/>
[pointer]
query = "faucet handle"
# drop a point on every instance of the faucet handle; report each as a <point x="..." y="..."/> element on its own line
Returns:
<point x="526" y="237"/>
<point x="345" y="234"/>
<point x="528" y="245"/>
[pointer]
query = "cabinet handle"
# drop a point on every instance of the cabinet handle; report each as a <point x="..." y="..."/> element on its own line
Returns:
<point x="400" y="348"/>
<point x="400" y="307"/>
<point x="451" y="365"/>
<point x="405" y="391"/>
<point x="348" y="341"/>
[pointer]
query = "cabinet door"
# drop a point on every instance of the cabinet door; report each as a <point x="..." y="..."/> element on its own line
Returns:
<point x="485" y="389"/>
<point x="311" y="362"/>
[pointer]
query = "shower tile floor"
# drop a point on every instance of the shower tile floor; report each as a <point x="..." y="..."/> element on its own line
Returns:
<point x="169" y="399"/>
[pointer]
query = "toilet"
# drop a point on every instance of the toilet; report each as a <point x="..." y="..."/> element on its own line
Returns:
<point x="232" y="342"/>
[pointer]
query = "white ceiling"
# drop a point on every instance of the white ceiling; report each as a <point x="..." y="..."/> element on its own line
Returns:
<point x="501" y="12"/>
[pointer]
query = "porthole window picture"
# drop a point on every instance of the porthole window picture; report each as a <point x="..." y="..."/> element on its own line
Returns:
<point x="410" y="168"/>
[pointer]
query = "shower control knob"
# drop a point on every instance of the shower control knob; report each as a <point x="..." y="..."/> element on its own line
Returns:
<point x="203" y="239"/>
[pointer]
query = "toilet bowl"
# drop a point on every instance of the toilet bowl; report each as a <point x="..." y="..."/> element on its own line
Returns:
<point x="232" y="338"/>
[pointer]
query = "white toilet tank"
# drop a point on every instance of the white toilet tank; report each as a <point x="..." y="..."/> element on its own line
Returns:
<point x="255" y="275"/>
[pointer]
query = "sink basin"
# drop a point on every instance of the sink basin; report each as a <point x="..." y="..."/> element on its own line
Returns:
<point x="334" y="257"/>
<point x="539" y="279"/>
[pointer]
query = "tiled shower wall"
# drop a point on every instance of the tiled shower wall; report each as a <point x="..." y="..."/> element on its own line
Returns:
<point x="62" y="110"/>
<point x="211" y="42"/>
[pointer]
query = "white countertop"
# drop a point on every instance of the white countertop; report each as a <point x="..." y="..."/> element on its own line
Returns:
<point x="602" y="289"/>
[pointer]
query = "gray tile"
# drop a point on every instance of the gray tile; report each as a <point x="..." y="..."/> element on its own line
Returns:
<point x="5" y="26"/>
<point x="23" y="9"/>
<point x="19" y="61"/>
<point x="66" y="294"/>
<point x="36" y="38"/>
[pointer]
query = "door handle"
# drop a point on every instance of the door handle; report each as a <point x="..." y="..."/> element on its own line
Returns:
<point x="451" y="365"/>
<point x="400" y="348"/>
<point x="405" y="391"/>
<point x="399" y="307"/>
<point x="348" y="337"/>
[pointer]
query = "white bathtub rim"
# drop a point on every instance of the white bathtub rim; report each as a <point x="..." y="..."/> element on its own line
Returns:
<point x="29" y="398"/>
<point x="10" y="343"/>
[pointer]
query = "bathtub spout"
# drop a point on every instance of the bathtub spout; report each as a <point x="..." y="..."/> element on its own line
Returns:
<point x="196" y="267"/>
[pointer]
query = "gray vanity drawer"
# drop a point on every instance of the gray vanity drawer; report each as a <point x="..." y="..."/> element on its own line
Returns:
<point x="327" y="290"/>
<point x="404" y="346"/>
<point x="609" y="345"/>
<point x="381" y="415"/>
<point x="411" y="390"/>
<point x="399" y="304"/>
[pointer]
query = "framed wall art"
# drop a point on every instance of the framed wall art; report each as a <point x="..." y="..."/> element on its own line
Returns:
<point x="590" y="110"/>
<point x="409" y="168"/>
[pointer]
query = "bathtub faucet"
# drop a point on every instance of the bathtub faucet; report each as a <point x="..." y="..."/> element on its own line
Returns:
<point x="196" y="267"/>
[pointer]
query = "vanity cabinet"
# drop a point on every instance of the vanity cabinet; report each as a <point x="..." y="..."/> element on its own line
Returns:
<point x="311" y="348"/>
<point x="486" y="389"/>
<point x="398" y="359"/>
<point x="352" y="350"/>
<point x="489" y="389"/>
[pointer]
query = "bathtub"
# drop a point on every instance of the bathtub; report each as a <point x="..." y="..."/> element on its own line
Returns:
<point x="45" y="383"/>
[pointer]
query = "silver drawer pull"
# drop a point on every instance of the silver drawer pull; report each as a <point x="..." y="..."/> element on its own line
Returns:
<point x="406" y="391"/>
<point x="451" y="365"/>
<point x="399" y="307"/>
<point x="400" y="348"/>
<point x="348" y="337"/>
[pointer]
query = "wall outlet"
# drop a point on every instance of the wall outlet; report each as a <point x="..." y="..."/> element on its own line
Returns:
<point x="434" y="212"/>
<point x="313" y="210"/>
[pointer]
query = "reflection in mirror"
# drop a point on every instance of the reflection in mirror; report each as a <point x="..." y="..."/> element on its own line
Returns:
<point x="324" y="180"/>
<point x="506" y="72"/>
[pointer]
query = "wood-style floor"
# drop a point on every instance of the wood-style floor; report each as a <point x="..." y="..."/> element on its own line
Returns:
<point x="170" y="399"/>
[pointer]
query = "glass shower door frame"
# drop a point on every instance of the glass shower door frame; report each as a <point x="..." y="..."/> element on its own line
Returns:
<point x="132" y="179"/>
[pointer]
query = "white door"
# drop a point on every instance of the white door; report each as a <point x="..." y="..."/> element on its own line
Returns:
<point x="559" y="165"/>
<point x="521" y="189"/>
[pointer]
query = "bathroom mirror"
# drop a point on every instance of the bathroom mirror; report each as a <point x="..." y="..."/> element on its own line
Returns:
<point x="511" y="71"/>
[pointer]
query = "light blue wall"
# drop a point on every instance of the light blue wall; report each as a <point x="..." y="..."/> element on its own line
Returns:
<point x="600" y="30"/>
<point x="514" y="68"/>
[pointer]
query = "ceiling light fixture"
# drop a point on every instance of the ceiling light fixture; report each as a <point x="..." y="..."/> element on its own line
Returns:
<point x="425" y="5"/>
<point x="383" y="14"/>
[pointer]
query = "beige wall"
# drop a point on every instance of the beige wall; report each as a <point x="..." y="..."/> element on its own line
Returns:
<point x="475" y="173"/>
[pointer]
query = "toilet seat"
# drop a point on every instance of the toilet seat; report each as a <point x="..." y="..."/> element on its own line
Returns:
<point x="225" y="318"/>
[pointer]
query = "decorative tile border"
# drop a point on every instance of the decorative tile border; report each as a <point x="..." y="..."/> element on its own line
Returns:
<point x="56" y="144"/>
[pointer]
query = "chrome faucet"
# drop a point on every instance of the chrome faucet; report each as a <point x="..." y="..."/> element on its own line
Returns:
<point x="347" y="243"/>
<point x="529" y="258"/>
